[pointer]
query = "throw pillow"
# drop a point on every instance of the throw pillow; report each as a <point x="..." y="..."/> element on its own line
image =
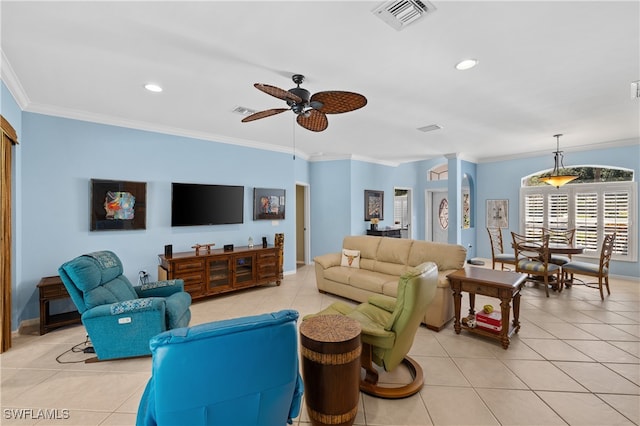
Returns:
<point x="350" y="258"/>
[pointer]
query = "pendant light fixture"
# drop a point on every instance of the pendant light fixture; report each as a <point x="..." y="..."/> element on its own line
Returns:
<point x="558" y="177"/>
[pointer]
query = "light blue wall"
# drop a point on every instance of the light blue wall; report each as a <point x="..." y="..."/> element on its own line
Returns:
<point x="60" y="156"/>
<point x="501" y="180"/>
<point x="330" y="205"/>
<point x="57" y="158"/>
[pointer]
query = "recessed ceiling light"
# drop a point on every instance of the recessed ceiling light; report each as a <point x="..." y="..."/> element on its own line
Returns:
<point x="152" y="87"/>
<point x="466" y="64"/>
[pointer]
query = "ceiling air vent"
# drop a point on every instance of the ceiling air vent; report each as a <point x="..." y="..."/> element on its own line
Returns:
<point x="430" y="128"/>
<point x="400" y="13"/>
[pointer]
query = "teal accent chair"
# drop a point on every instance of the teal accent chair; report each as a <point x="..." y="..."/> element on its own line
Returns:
<point x="600" y="270"/>
<point x="120" y="319"/>
<point x="389" y="326"/>
<point x="241" y="371"/>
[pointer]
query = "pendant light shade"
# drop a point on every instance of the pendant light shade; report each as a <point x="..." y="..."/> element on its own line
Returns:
<point x="558" y="177"/>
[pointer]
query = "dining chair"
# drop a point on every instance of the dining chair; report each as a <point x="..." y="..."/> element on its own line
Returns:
<point x="600" y="271"/>
<point x="497" y="250"/>
<point x="560" y="236"/>
<point x="534" y="259"/>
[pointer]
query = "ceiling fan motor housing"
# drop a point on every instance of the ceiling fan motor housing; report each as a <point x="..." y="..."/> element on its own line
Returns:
<point x="303" y="94"/>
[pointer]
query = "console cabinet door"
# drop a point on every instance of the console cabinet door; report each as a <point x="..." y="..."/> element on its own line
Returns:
<point x="244" y="270"/>
<point x="219" y="272"/>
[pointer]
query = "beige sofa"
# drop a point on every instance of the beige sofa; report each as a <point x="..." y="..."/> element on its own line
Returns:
<point x="381" y="262"/>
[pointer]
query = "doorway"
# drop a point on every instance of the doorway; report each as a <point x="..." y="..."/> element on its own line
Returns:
<point x="437" y="220"/>
<point x="402" y="201"/>
<point x="303" y="243"/>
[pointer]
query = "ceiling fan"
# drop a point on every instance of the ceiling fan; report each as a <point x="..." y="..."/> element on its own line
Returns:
<point x="310" y="109"/>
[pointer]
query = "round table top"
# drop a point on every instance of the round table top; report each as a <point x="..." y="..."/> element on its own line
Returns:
<point x="330" y="328"/>
<point x="561" y="248"/>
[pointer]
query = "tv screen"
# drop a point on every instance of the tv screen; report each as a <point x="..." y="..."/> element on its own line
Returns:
<point x="198" y="204"/>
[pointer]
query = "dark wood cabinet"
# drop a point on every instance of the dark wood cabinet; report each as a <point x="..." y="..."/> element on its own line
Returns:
<point x="219" y="271"/>
<point x="52" y="288"/>
<point x="392" y="232"/>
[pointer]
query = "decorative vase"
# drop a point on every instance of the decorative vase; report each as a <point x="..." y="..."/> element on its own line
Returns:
<point x="374" y="226"/>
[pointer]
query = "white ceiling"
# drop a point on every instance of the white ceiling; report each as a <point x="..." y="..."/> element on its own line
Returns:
<point x="545" y="67"/>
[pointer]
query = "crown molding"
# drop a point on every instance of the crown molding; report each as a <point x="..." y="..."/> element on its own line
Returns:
<point x="577" y="148"/>
<point x="10" y="79"/>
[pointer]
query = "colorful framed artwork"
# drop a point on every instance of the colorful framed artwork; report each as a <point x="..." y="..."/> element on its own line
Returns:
<point x="268" y="203"/>
<point x="373" y="204"/>
<point x="118" y="205"/>
<point x="497" y="213"/>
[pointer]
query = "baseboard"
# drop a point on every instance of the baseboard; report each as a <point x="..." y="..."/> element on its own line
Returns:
<point x="30" y="326"/>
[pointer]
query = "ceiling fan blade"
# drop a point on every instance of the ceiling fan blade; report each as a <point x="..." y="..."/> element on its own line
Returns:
<point x="262" y="114"/>
<point x="337" y="102"/>
<point x="313" y="120"/>
<point x="277" y="92"/>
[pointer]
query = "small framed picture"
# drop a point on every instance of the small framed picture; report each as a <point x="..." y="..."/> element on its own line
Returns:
<point x="268" y="204"/>
<point x="497" y="213"/>
<point x="118" y="205"/>
<point x="373" y="204"/>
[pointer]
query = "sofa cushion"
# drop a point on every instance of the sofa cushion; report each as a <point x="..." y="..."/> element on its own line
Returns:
<point x="446" y="256"/>
<point x="388" y="268"/>
<point x="369" y="280"/>
<point x="368" y="245"/>
<point x="339" y="274"/>
<point x="393" y="250"/>
<point x="350" y="258"/>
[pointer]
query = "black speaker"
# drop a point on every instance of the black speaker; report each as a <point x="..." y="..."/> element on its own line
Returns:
<point x="168" y="250"/>
<point x="228" y="247"/>
<point x="264" y="242"/>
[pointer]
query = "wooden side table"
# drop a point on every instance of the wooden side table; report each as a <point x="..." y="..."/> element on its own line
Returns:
<point x="330" y="349"/>
<point x="503" y="285"/>
<point x="52" y="288"/>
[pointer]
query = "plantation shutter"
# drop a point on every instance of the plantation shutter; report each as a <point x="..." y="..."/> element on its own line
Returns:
<point x="534" y="214"/>
<point x="587" y="221"/>
<point x="616" y="219"/>
<point x="558" y="213"/>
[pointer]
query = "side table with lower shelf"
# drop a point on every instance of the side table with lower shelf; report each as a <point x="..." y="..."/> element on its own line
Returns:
<point x="52" y="288"/>
<point x="503" y="285"/>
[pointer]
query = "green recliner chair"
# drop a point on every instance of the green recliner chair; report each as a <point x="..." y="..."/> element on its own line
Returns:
<point x="388" y="328"/>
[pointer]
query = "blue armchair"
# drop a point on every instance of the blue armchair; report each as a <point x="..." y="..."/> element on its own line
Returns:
<point x="240" y="371"/>
<point x="121" y="319"/>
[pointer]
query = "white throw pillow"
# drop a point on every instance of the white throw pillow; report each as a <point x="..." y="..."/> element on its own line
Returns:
<point x="350" y="258"/>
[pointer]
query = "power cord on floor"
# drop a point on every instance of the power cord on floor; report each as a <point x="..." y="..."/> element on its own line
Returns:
<point x="84" y="347"/>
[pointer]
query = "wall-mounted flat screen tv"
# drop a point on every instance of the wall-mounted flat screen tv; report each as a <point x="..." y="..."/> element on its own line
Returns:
<point x="197" y="204"/>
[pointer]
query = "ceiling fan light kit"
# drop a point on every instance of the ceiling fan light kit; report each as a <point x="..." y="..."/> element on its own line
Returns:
<point x="310" y="109"/>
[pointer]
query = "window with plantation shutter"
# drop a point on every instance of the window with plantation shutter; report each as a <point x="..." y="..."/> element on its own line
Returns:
<point x="586" y="220"/>
<point x="616" y="219"/>
<point x="534" y="214"/>
<point x="593" y="209"/>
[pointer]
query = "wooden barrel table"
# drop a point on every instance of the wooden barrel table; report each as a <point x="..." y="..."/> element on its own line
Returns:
<point x="330" y="349"/>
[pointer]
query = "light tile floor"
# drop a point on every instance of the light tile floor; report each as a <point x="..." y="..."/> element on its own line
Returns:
<point x="575" y="361"/>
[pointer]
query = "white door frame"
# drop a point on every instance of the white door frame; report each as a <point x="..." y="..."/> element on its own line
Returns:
<point x="409" y="207"/>
<point x="307" y="222"/>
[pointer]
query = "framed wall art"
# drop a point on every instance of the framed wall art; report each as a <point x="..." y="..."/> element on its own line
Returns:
<point x="497" y="213"/>
<point x="373" y="204"/>
<point x="268" y="203"/>
<point x="118" y="205"/>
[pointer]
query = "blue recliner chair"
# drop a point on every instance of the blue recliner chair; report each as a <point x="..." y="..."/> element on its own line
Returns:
<point x="121" y="319"/>
<point x="240" y="371"/>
